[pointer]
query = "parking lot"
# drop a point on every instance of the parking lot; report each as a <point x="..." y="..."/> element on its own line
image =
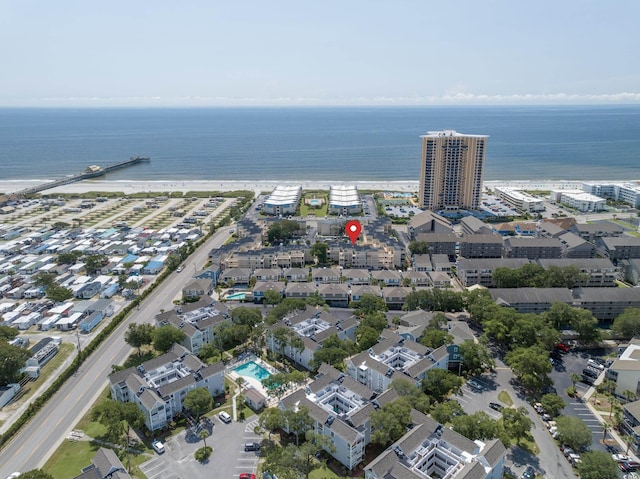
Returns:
<point x="227" y="461"/>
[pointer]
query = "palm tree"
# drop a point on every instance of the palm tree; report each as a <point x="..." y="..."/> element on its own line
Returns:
<point x="614" y="405"/>
<point x="628" y="395"/>
<point x="606" y="427"/>
<point x="204" y="434"/>
<point x="240" y="382"/>
<point x="575" y="378"/>
<point x="628" y="441"/>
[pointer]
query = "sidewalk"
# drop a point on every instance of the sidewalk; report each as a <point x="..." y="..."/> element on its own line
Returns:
<point x="612" y="433"/>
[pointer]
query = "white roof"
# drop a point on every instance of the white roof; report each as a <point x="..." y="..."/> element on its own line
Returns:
<point x="284" y="195"/>
<point x="441" y="133"/>
<point x="343" y="195"/>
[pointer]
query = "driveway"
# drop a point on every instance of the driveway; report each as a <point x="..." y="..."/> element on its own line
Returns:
<point x="227" y="461"/>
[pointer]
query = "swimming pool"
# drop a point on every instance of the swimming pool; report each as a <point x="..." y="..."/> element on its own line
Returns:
<point x="252" y="370"/>
<point x="236" y="296"/>
<point x="315" y="202"/>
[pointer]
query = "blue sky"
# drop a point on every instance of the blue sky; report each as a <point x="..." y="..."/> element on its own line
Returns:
<point x="348" y="52"/>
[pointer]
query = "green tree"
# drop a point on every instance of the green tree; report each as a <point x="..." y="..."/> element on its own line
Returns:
<point x="36" y="474"/>
<point x="247" y="316"/>
<point x="368" y="303"/>
<point x="59" y="293"/>
<point x="598" y="465"/>
<point x="109" y="413"/>
<point x="434" y="338"/>
<point x="202" y="454"/>
<point x="333" y="351"/>
<point x="389" y="423"/>
<point x="165" y="337"/>
<point x="137" y="335"/>
<point x="439" y="383"/>
<point x="516" y="422"/>
<point x="585" y="325"/>
<point x="271" y="420"/>
<point x="272" y="297"/>
<point x="531" y="329"/>
<point x="407" y="389"/>
<point x="44" y="280"/>
<point x="627" y="324"/>
<point x="68" y="258"/>
<point x="198" y="401"/>
<point x="572" y="431"/>
<point x="294" y="462"/>
<point x="476" y="358"/>
<point x="282" y="231"/>
<point x="7" y="332"/>
<point x="204" y="434"/>
<point x="367" y="337"/>
<point x="419" y="247"/>
<point x="13" y="359"/>
<point x="478" y="425"/>
<point x="298" y="421"/>
<point x="93" y="263"/>
<point x="319" y="251"/>
<point x="552" y="404"/>
<point x="531" y="365"/>
<point x="480" y="305"/>
<point x="445" y="411"/>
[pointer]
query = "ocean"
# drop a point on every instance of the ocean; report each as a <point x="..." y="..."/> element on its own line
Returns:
<point x="337" y="144"/>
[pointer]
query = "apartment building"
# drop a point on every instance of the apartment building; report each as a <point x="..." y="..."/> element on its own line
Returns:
<point x="394" y="357"/>
<point x="158" y="386"/>
<point x="481" y="246"/>
<point x="428" y="450"/>
<point x="532" y="248"/>
<point x="480" y="270"/>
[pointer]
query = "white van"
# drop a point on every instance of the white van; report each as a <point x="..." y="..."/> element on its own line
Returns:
<point x="224" y="417"/>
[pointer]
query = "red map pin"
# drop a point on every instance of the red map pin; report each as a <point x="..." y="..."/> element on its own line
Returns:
<point x="353" y="230"/>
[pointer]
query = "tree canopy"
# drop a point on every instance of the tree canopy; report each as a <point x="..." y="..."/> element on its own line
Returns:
<point x="198" y="401"/>
<point x="137" y="335"/>
<point x="165" y="336"/>
<point x="13" y="359"/>
<point x="282" y="231"/>
<point x="627" y="324"/>
<point x="531" y="365"/>
<point x="598" y="465"/>
<point x="389" y="423"/>
<point x="572" y="431"/>
<point x="439" y="383"/>
<point x="478" y="425"/>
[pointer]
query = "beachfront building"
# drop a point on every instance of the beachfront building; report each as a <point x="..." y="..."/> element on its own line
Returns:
<point x="520" y="200"/>
<point x="626" y="192"/>
<point x="158" y="386"/>
<point x="579" y="200"/>
<point x="451" y="171"/>
<point x="344" y="200"/>
<point x="429" y="450"/>
<point x="283" y="200"/>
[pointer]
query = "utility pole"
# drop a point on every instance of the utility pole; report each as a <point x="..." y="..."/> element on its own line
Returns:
<point x="78" y="338"/>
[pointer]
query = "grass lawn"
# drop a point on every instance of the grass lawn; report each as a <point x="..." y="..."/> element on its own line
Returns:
<point x="324" y="473"/>
<point x="70" y="458"/>
<point x="504" y="397"/>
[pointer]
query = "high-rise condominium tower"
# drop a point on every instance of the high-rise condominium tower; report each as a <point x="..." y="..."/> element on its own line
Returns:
<point x="452" y="166"/>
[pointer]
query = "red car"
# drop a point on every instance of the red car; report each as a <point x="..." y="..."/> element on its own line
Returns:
<point x="247" y="476"/>
<point x="563" y="347"/>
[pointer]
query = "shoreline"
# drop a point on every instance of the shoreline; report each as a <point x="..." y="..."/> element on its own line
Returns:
<point x="139" y="186"/>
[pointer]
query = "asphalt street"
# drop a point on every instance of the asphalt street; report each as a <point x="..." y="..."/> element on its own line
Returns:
<point x="550" y="462"/>
<point x="35" y="443"/>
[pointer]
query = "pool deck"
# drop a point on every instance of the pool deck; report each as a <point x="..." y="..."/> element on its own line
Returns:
<point x="252" y="382"/>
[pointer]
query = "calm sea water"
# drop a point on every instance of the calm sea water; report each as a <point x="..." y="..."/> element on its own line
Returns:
<point x="316" y="143"/>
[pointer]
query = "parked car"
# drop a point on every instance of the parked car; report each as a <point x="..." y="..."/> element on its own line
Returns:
<point x="247" y="475"/>
<point x="566" y="450"/>
<point x="529" y="473"/>
<point x="179" y="269"/>
<point x="472" y="383"/>
<point x="158" y="446"/>
<point x="620" y="457"/>
<point x="595" y="364"/>
<point x="224" y="417"/>
<point x="495" y="406"/>
<point x="538" y="407"/>
<point x="589" y="373"/>
<point x="251" y="446"/>
<point x="563" y="347"/>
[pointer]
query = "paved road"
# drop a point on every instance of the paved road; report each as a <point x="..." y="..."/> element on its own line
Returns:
<point x="549" y="462"/>
<point x="35" y="443"/>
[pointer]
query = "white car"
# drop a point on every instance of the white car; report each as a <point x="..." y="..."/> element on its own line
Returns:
<point x="180" y="268"/>
<point x="158" y="446"/>
<point x="13" y="475"/>
<point x="620" y="457"/>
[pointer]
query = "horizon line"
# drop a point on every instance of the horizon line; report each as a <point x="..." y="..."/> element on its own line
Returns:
<point x="455" y="99"/>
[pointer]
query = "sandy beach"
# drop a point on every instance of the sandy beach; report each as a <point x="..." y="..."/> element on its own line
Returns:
<point x="137" y="186"/>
